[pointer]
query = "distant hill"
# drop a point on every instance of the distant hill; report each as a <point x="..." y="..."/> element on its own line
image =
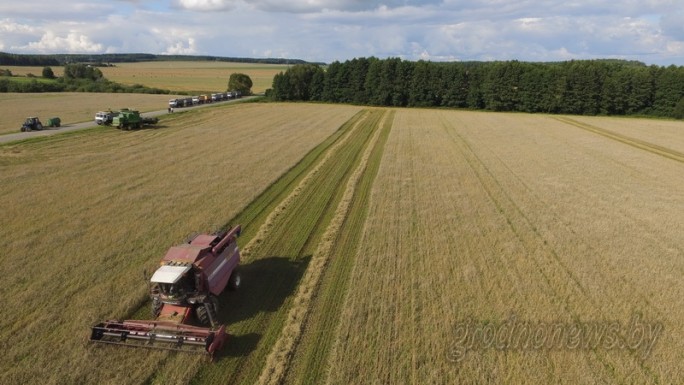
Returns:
<point x="112" y="58"/>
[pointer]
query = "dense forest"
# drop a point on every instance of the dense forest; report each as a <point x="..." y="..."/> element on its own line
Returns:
<point x="583" y="87"/>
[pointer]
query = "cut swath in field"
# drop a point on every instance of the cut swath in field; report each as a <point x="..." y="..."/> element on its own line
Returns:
<point x="307" y="363"/>
<point x="279" y="360"/>
<point x="281" y="209"/>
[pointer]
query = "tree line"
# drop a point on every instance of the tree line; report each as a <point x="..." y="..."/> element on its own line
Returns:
<point x="10" y="59"/>
<point x="77" y="78"/>
<point x="583" y="87"/>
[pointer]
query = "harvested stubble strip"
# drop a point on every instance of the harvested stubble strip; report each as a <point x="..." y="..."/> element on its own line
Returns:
<point x="279" y="359"/>
<point x="265" y="228"/>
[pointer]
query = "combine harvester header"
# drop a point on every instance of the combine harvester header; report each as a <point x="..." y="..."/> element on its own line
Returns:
<point x="184" y="289"/>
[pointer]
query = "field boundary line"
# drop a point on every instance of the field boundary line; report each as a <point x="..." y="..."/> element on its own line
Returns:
<point x="637" y="143"/>
<point x="276" y="364"/>
<point x="265" y="228"/>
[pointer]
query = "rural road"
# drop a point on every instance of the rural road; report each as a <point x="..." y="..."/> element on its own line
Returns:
<point x="91" y="123"/>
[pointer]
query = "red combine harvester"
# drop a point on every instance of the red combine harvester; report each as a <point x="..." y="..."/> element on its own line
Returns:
<point x="184" y="288"/>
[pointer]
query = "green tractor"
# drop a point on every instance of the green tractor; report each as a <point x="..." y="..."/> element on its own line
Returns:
<point x="127" y="119"/>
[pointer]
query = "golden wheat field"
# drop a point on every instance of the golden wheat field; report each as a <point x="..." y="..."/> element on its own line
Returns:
<point x="192" y="75"/>
<point x="484" y="222"/>
<point x="105" y="205"/>
<point x="187" y="76"/>
<point x="380" y="246"/>
<point x="70" y="107"/>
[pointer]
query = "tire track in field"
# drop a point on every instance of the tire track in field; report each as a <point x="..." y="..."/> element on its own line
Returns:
<point x="567" y="227"/>
<point x="280" y="357"/>
<point x="520" y="225"/>
<point x="637" y="143"/>
<point x="530" y="239"/>
<point x="607" y="361"/>
<point x="602" y="357"/>
<point x="502" y="205"/>
<point x="472" y="242"/>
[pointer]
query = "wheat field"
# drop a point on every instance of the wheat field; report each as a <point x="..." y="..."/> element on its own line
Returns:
<point x="192" y="75"/>
<point x="177" y="76"/>
<point x="84" y="214"/>
<point x="380" y="246"/>
<point x="482" y="218"/>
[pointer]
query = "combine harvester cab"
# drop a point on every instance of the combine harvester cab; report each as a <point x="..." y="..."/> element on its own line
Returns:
<point x="184" y="289"/>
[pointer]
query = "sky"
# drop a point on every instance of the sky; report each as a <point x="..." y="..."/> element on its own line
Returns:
<point x="650" y="31"/>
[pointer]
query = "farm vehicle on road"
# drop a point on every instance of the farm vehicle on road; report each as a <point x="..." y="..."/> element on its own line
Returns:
<point x="124" y="119"/>
<point x="104" y="117"/>
<point x="34" y="124"/>
<point x="127" y="119"/>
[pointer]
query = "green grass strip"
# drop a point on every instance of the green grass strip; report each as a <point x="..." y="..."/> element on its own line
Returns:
<point x="279" y="359"/>
<point x="309" y="360"/>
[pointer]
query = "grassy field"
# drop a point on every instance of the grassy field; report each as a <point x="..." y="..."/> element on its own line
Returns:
<point x="70" y="107"/>
<point x="178" y="75"/>
<point x="373" y="238"/>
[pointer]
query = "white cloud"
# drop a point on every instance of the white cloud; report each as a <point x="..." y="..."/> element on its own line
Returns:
<point x="206" y="5"/>
<point x="73" y="42"/>
<point x="11" y="27"/>
<point x="328" y="30"/>
<point x="299" y="6"/>
<point x="187" y="47"/>
<point x="675" y="48"/>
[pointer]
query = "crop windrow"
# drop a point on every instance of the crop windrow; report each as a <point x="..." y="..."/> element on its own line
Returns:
<point x="256" y="213"/>
<point x="265" y="228"/>
<point x="279" y="360"/>
<point x="308" y="359"/>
